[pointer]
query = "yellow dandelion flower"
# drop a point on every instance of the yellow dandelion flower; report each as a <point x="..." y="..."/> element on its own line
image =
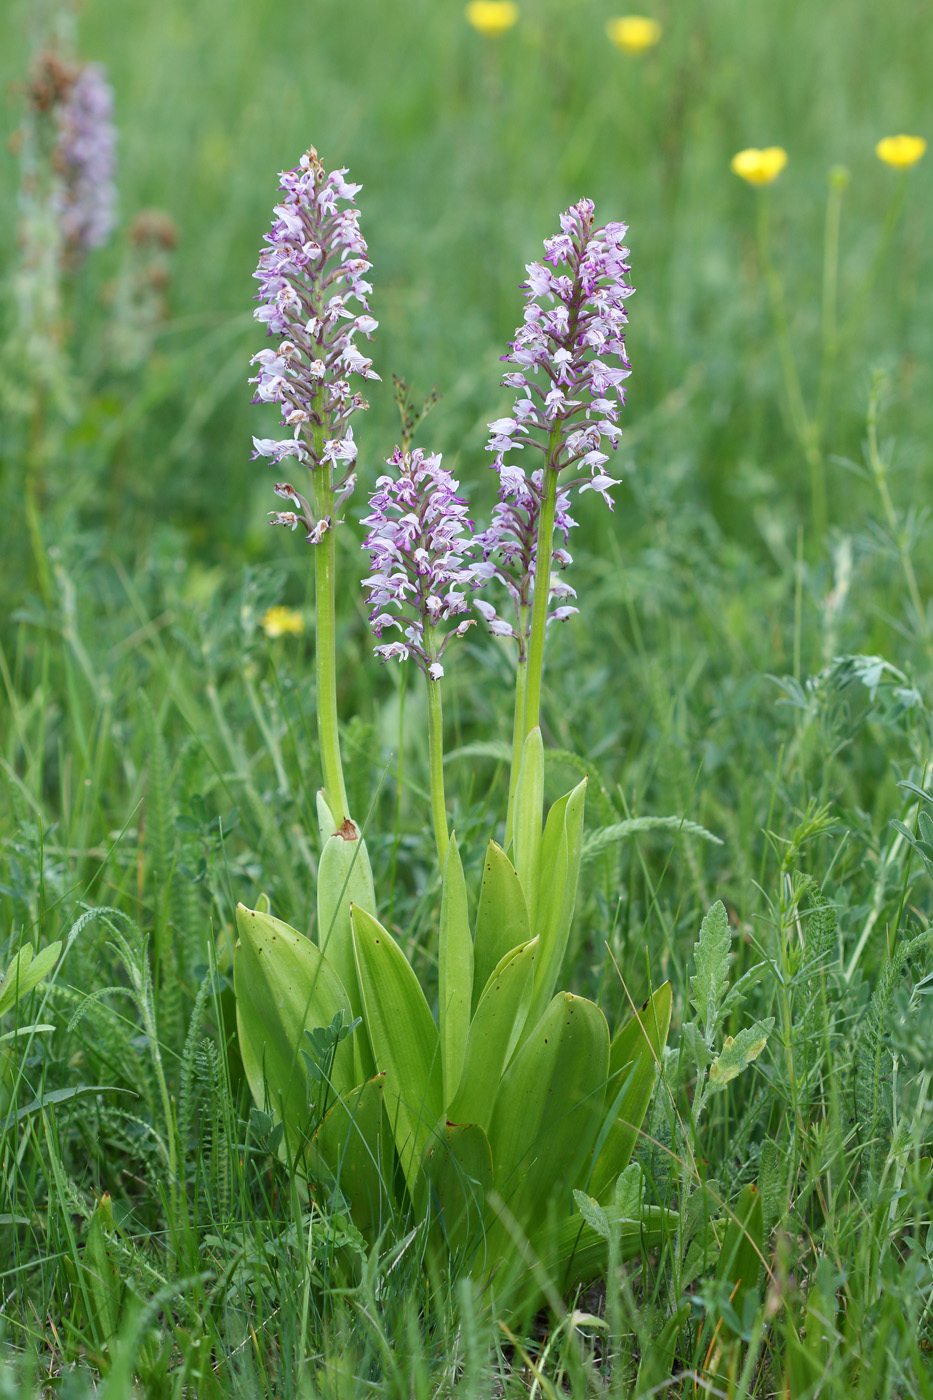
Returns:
<point x="282" y="622"/>
<point x="901" y="151"/>
<point x="759" y="167"/>
<point x="633" y="33"/>
<point x="491" y="17"/>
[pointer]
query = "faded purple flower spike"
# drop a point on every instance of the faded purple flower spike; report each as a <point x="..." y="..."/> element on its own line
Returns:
<point x="569" y="355"/>
<point x="86" y="159"/>
<point x="315" y="265"/>
<point x="421" y="555"/>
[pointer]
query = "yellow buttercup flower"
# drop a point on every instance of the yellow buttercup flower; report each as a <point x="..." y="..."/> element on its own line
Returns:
<point x="901" y="151"/>
<point x="282" y="622"/>
<point x="492" y="17"/>
<point x="633" y="33"/>
<point x="760" y="167"/>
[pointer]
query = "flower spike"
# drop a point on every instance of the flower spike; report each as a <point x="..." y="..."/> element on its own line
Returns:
<point x="421" y="554"/>
<point x="313" y="267"/>
<point x="570" y="366"/>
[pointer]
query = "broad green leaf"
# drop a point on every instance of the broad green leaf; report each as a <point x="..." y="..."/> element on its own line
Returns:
<point x="548" y="1107"/>
<point x="404" y="1039"/>
<point x="26" y="971"/>
<point x="457" y="1174"/>
<point x="742" y="1249"/>
<point x="349" y="1150"/>
<point x="556" y="893"/>
<point x="327" y="823"/>
<point x="529" y="811"/>
<point x="712" y="958"/>
<point x="284" y="985"/>
<point x="494" y="1034"/>
<point x="633" y="1059"/>
<point x="344" y="879"/>
<point x="502" y="923"/>
<point x="455" y="959"/>
<point x="738" y="1052"/>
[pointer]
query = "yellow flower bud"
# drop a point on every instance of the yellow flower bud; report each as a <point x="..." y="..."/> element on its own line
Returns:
<point x="633" y="33"/>
<point x="900" y="151"/>
<point x="759" y="167"/>
<point x="281" y="622"/>
<point x="491" y="17"/>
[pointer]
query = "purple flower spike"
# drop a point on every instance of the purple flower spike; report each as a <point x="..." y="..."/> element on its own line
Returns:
<point x="421" y="555"/>
<point x="569" y="355"/>
<point x="569" y="369"/>
<point x="85" y="157"/>
<point x="314" y="266"/>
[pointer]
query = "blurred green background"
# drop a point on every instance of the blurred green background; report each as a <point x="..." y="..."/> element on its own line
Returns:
<point x="467" y="148"/>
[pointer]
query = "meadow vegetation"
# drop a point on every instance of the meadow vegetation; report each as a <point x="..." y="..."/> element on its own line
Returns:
<point x="748" y="688"/>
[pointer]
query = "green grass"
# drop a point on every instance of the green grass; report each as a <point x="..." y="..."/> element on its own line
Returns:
<point x="158" y="753"/>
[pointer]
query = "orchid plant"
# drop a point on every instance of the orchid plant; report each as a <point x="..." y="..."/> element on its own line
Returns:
<point x="505" y="1118"/>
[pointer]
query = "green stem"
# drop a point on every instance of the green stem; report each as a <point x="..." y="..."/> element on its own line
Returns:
<point x="542" y="585"/>
<point x="838" y="179"/>
<point x="399" y="779"/>
<point x="804" y="430"/>
<point x="518" y="726"/>
<point x="436" y="757"/>
<point x="325" y="648"/>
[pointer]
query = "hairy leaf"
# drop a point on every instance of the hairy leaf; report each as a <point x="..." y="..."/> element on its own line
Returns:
<point x="712" y="958"/>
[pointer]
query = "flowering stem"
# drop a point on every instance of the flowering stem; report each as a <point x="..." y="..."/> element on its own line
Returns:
<point x="436" y="758"/>
<point x="518" y="725"/>
<point x="399" y="786"/>
<point x="542" y="584"/>
<point x="325" y="647"/>
<point x="804" y="430"/>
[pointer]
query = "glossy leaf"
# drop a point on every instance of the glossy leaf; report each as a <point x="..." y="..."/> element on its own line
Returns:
<point x="404" y="1039"/>
<point x="633" y="1060"/>
<point x="344" y="879"/>
<point x="529" y="810"/>
<point x="502" y="923"/>
<point x="455" y="959"/>
<point x="284" y="985"/>
<point x="349" y="1151"/>
<point x="548" y="1107"/>
<point x="494" y="1034"/>
<point x="553" y="903"/>
<point x="457" y="1174"/>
